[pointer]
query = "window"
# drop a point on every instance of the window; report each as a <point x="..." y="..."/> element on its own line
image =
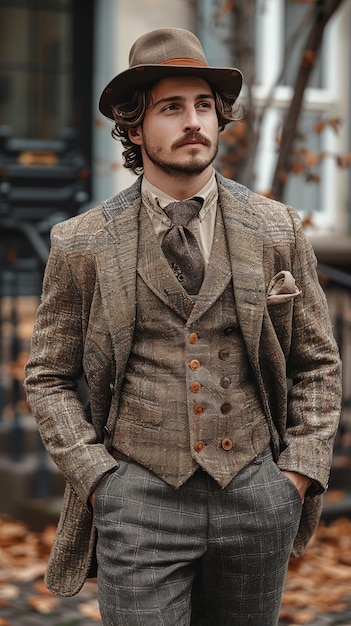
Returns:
<point x="327" y="96"/>
<point x="280" y="29"/>
<point x="36" y="66"/>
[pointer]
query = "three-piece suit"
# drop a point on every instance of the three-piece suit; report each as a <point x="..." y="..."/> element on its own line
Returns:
<point x="178" y="384"/>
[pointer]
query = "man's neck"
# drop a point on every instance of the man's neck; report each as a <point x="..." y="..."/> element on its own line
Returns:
<point x="179" y="186"/>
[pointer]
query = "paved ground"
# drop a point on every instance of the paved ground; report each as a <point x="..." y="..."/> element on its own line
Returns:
<point x="81" y="610"/>
<point x="333" y="619"/>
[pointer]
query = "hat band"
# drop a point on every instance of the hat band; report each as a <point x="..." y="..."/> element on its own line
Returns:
<point x="183" y="61"/>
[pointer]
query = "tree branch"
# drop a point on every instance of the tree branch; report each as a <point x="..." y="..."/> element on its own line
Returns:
<point x="324" y="10"/>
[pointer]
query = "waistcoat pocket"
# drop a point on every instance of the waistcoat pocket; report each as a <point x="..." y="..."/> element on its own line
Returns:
<point x="140" y="411"/>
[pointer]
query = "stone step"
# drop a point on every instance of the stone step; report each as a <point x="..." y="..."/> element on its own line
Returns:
<point x="34" y="477"/>
<point x="337" y="500"/>
<point x="40" y="512"/>
<point x="340" y="478"/>
<point x="336" y="504"/>
<point x="19" y="436"/>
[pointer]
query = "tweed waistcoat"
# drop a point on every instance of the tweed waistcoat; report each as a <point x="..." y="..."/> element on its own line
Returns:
<point x="188" y="399"/>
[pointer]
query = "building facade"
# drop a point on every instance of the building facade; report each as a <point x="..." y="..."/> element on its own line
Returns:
<point x="57" y="55"/>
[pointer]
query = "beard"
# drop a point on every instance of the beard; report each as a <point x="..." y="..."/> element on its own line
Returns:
<point x="194" y="164"/>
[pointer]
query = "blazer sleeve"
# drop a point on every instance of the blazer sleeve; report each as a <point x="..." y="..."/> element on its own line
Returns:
<point x="52" y="374"/>
<point x="313" y="365"/>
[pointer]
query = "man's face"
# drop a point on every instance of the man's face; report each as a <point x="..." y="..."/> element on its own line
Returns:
<point x="179" y="134"/>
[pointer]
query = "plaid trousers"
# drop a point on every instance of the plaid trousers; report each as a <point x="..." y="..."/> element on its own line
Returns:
<point x="197" y="556"/>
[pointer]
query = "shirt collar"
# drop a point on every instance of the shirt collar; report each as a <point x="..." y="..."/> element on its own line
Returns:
<point x="155" y="199"/>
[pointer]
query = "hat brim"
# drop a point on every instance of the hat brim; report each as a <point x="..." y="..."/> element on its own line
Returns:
<point x="121" y="88"/>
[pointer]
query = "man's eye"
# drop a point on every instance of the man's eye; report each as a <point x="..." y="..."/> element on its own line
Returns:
<point x="170" y="107"/>
<point x="205" y="105"/>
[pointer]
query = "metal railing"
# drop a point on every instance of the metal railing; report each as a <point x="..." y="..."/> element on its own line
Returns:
<point x="18" y="434"/>
<point x="337" y="285"/>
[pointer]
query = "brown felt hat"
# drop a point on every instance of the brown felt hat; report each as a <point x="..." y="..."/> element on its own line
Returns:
<point x="161" y="54"/>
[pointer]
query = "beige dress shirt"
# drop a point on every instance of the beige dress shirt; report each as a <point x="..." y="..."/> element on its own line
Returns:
<point x="155" y="199"/>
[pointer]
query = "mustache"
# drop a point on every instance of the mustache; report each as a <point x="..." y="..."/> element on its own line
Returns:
<point x="192" y="136"/>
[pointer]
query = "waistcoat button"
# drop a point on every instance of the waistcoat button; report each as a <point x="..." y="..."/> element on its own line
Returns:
<point x="195" y="387"/>
<point x="194" y="364"/>
<point x="226" y="407"/>
<point x="227" y="444"/>
<point x="199" y="409"/>
<point x="224" y="354"/>
<point x="194" y="337"/>
<point x="225" y="382"/>
<point x="199" y="446"/>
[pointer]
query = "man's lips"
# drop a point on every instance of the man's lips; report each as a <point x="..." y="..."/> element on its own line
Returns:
<point x="192" y="142"/>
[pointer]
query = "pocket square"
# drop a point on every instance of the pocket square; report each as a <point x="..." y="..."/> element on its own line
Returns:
<point x="282" y="288"/>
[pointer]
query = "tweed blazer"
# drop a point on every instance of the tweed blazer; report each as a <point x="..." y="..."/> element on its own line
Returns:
<point x="84" y="328"/>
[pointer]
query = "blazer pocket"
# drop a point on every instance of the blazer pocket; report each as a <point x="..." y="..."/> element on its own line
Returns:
<point x="280" y="312"/>
<point x="282" y="288"/>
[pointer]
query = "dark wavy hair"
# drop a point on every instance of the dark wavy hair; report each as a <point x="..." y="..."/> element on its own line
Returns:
<point x="131" y="114"/>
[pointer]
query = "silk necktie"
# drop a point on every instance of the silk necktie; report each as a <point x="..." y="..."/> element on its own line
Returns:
<point x="180" y="247"/>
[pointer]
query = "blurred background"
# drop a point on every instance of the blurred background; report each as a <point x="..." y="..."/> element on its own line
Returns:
<point x="57" y="158"/>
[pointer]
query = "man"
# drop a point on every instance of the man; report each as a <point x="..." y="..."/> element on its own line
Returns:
<point x="194" y="465"/>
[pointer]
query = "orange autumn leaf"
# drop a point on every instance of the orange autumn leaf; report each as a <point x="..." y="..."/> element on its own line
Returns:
<point x="42" y="604"/>
<point x="344" y="160"/>
<point x="297" y="167"/>
<point x="311" y="159"/>
<point x="308" y="58"/>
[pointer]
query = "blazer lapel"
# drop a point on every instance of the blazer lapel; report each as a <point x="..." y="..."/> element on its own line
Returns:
<point x="116" y="256"/>
<point x="246" y="255"/>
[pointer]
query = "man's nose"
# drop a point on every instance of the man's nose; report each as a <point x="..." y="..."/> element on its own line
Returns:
<point x="191" y="120"/>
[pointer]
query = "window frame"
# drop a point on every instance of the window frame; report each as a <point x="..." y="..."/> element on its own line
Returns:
<point x="330" y="101"/>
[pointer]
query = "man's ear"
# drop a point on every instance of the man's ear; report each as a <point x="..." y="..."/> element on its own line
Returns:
<point x="135" y="135"/>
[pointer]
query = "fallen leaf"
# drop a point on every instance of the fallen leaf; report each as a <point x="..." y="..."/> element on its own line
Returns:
<point x="42" y="604"/>
<point x="305" y="616"/>
<point x="91" y="610"/>
<point x="9" y="592"/>
<point x="11" y="532"/>
<point x="4" y="602"/>
<point x="31" y="572"/>
<point x="41" y="588"/>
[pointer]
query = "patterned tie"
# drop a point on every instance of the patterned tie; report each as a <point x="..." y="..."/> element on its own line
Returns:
<point x="180" y="247"/>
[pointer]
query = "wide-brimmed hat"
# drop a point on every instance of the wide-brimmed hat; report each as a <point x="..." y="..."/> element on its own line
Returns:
<point x="161" y="54"/>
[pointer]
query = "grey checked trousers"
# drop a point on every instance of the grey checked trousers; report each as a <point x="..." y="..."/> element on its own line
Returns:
<point x="197" y="556"/>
